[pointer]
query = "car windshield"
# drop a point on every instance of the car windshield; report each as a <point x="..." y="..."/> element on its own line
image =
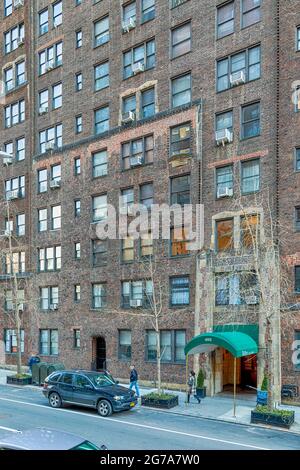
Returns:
<point x="102" y="380"/>
<point x="86" y="445"/>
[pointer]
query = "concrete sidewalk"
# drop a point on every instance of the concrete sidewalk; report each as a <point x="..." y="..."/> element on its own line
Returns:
<point x="219" y="408"/>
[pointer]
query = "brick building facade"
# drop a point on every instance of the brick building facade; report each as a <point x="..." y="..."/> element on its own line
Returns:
<point x="123" y="98"/>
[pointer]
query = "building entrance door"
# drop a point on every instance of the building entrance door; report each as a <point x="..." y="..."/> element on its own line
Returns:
<point x="99" y="353"/>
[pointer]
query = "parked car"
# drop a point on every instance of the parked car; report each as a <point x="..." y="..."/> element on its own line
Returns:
<point x="91" y="389"/>
<point x="46" y="439"/>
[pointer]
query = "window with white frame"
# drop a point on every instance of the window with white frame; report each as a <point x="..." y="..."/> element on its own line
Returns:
<point x="10" y="301"/>
<point x="57" y="96"/>
<point x="42" y="220"/>
<point x="49" y="298"/>
<point x="49" y="342"/>
<point x="20" y="149"/>
<point x="8" y="7"/>
<point x="55" y="172"/>
<point x="20" y="225"/>
<point x="10" y="338"/>
<point x="15" y="263"/>
<point x="42" y="180"/>
<point x="49" y="259"/>
<point x="99" y="295"/>
<point x="56" y="217"/>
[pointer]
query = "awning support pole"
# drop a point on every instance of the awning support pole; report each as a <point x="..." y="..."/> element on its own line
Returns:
<point x="186" y="377"/>
<point x="234" y="388"/>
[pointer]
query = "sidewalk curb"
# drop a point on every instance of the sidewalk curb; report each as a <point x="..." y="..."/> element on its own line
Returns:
<point x="211" y="418"/>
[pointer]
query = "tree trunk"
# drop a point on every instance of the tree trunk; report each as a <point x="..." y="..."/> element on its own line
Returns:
<point x="18" y="334"/>
<point x="158" y="362"/>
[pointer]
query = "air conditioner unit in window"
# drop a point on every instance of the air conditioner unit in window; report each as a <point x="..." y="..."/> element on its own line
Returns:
<point x="21" y="307"/>
<point x="128" y="25"/>
<point x="55" y="184"/>
<point x="18" y="3"/>
<point x="251" y="299"/>
<point x="43" y="109"/>
<point x="224" y="136"/>
<point x="138" y="68"/>
<point x="136" y="161"/>
<point x="128" y="117"/>
<point x="224" y="192"/>
<point x="53" y="306"/>
<point x="237" y="78"/>
<point x="49" y="146"/>
<point x="7" y="160"/>
<point x="13" y="194"/>
<point x="50" y="65"/>
<point x="136" y="303"/>
<point x="20" y="42"/>
<point x="131" y="210"/>
<point x="56" y="24"/>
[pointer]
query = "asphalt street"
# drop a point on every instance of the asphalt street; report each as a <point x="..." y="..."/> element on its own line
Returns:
<point x="140" y="428"/>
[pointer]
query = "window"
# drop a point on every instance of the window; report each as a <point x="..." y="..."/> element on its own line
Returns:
<point x="99" y="252"/>
<point x="101" y="31"/>
<point x="181" y="40"/>
<point x="127" y="249"/>
<point x="13" y="38"/>
<point x="247" y="62"/>
<point x="15" y="263"/>
<point x="49" y="342"/>
<point x="42" y="181"/>
<point x="99" y="162"/>
<point x="236" y="289"/>
<point x="250" y="12"/>
<point x="180" y="140"/>
<point x="14" y="113"/>
<point x="43" y="101"/>
<point x="297" y="218"/>
<point x="146" y="245"/>
<point x="9" y="148"/>
<point x="181" y="90"/>
<point x="180" y="291"/>
<point x="42" y="220"/>
<point x="77" y="207"/>
<point x="78" y="35"/>
<point x="15" y="188"/>
<point x="250" y="121"/>
<point x="224" y="121"/>
<point x="50" y="138"/>
<point x="20" y="149"/>
<point x="9" y="79"/>
<point x="176" y="3"/>
<point x="137" y="152"/>
<point x="11" y="341"/>
<point x="143" y="55"/>
<point x="129" y="104"/>
<point x="8" y="7"/>
<point x="56" y="217"/>
<point x="148" y="103"/>
<point x="148" y="10"/>
<point x="297" y="279"/>
<point x="225" y="20"/>
<point x="172" y="345"/>
<point x="78" y="81"/>
<point x="77" y="250"/>
<point x="77" y="166"/>
<point x="101" y="76"/>
<point x="102" y="120"/>
<point x="146" y="194"/>
<point x="127" y="198"/>
<point x="49" y="298"/>
<point x="99" y="208"/>
<point x="20" y="224"/>
<point x="250" y="231"/>
<point x="9" y="226"/>
<point x="50" y="58"/>
<point x="179" y="241"/>
<point x="180" y="190"/>
<point x="250" y="178"/>
<point x="56" y="172"/>
<point x="224" y="181"/>
<point x="43" y="22"/>
<point x="99" y="295"/>
<point x="297" y="362"/>
<point x="77" y="292"/>
<point x="77" y="346"/>
<point x="57" y="14"/>
<point x="224" y="232"/>
<point x="57" y="96"/>
<point x="137" y="293"/>
<point x="129" y="12"/>
<point x="20" y="73"/>
<point x="297" y="159"/>
<point x="49" y="259"/>
<point x="9" y="300"/>
<point x="298" y="39"/>
<point x="124" y="350"/>
<point x="78" y="124"/>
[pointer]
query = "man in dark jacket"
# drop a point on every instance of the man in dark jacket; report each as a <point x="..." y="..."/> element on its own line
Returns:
<point x="34" y="359"/>
<point x="134" y="380"/>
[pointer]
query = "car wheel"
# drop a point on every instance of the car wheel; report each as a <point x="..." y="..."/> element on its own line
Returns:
<point x="104" y="408"/>
<point x="55" y="400"/>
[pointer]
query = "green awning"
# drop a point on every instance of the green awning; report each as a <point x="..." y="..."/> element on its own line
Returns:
<point x="238" y="344"/>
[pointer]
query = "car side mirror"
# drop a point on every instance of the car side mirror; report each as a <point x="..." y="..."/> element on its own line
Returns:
<point x="117" y="382"/>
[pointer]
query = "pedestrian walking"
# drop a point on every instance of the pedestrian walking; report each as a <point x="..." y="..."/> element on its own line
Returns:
<point x="192" y="387"/>
<point x="134" y="380"/>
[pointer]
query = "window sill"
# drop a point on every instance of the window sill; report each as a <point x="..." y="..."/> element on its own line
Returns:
<point x="181" y="55"/>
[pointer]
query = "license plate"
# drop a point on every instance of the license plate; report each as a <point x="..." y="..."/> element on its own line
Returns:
<point x="132" y="404"/>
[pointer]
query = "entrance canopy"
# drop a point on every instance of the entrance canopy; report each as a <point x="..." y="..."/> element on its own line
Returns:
<point x="238" y="344"/>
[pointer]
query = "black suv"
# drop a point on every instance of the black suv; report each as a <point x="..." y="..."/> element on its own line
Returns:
<point x="91" y="389"/>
